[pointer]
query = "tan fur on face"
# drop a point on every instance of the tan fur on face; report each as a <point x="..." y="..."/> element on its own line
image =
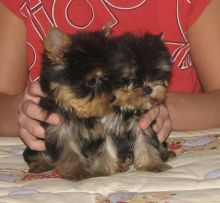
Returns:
<point x="83" y="107"/>
<point x="125" y="97"/>
<point x="94" y="73"/>
<point x="129" y="70"/>
<point x="134" y="98"/>
<point x="158" y="95"/>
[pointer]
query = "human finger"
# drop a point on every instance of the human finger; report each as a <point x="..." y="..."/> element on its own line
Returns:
<point x="31" y="141"/>
<point x="53" y="119"/>
<point x="149" y="117"/>
<point x="164" y="131"/>
<point x="161" y="118"/>
<point x="33" y="110"/>
<point x="35" y="90"/>
<point x="32" y="126"/>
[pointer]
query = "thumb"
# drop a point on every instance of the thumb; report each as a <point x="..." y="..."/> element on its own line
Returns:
<point x="149" y="117"/>
<point x="145" y="121"/>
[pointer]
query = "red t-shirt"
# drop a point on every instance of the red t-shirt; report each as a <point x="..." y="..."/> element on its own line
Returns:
<point x="172" y="17"/>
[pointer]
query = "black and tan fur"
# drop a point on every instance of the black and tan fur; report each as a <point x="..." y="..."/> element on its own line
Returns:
<point x="75" y="78"/>
<point x="141" y="70"/>
<point x="101" y="87"/>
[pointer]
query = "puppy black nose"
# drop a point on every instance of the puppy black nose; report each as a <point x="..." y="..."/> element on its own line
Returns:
<point x="112" y="98"/>
<point x="147" y="90"/>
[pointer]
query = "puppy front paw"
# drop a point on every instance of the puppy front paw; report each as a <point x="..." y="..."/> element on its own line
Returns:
<point x="40" y="167"/>
<point x="74" y="172"/>
<point x="154" y="167"/>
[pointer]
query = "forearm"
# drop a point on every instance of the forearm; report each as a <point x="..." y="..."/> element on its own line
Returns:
<point x="13" y="68"/>
<point x="8" y="115"/>
<point x="194" y="111"/>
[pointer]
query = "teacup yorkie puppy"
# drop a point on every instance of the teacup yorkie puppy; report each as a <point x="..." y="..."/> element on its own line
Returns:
<point x="75" y="78"/>
<point x="141" y="69"/>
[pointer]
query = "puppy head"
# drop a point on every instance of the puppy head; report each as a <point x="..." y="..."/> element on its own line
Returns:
<point x="141" y="68"/>
<point x="74" y="72"/>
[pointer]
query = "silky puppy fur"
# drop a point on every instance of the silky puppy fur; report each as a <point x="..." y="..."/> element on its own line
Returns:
<point x="75" y="78"/>
<point x="141" y="69"/>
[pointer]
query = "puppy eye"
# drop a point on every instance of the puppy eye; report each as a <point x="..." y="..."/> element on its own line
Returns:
<point x="91" y="82"/>
<point x="161" y="83"/>
<point x="128" y="80"/>
<point x="125" y="80"/>
<point x="148" y="90"/>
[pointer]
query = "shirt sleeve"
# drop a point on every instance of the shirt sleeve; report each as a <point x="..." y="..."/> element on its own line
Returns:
<point x="196" y="7"/>
<point x="18" y="7"/>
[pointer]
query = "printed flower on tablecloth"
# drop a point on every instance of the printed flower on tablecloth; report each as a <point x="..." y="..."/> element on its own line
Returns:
<point x="184" y="145"/>
<point x="11" y="175"/>
<point x="44" y="175"/>
<point x="213" y="174"/>
<point x="133" y="197"/>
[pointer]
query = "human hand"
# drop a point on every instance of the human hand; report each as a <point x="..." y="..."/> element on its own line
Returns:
<point x="30" y="113"/>
<point x="163" y="122"/>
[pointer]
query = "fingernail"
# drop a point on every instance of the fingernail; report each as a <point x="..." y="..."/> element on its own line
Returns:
<point x="41" y="132"/>
<point x="143" y="125"/>
<point x="155" y="128"/>
<point x="53" y="119"/>
<point x="160" y="138"/>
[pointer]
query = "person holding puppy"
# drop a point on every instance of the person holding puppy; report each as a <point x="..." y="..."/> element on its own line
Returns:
<point x="190" y="30"/>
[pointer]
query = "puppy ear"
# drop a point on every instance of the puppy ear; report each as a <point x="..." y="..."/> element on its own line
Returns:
<point x="161" y="36"/>
<point x="107" y="30"/>
<point x="55" y="43"/>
